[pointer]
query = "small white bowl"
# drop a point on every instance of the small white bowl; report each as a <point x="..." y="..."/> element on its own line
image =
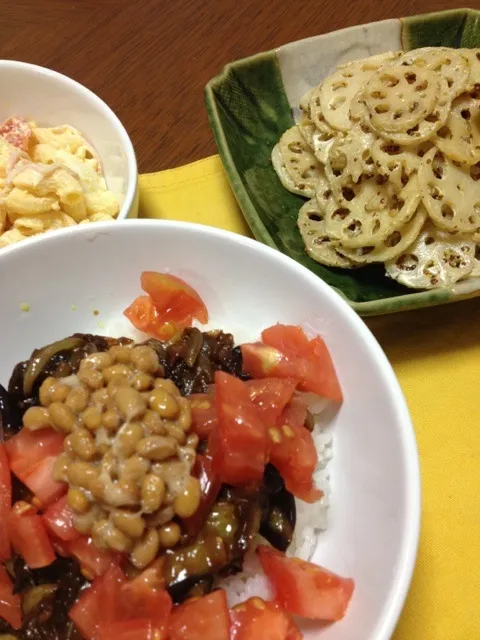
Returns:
<point x="51" y="99"/>
<point x="83" y="278"/>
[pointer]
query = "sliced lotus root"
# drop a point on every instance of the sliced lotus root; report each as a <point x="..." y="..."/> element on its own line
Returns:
<point x="436" y="259"/>
<point x="295" y="164"/>
<point x="305" y="102"/>
<point x="394" y="244"/>
<point x="349" y="159"/>
<point x="311" y="224"/>
<point x="449" y="63"/>
<point x="450" y="193"/>
<point x="398" y="163"/>
<point x="333" y="97"/>
<point x="369" y="212"/>
<point x="475" y="272"/>
<point x="399" y="97"/>
<point x="426" y="127"/>
<point x="374" y="61"/>
<point x="459" y="138"/>
<point x="472" y="56"/>
<point x="320" y="140"/>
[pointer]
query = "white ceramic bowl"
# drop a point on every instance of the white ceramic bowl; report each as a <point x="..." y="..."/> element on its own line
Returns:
<point x="67" y="277"/>
<point x="50" y="98"/>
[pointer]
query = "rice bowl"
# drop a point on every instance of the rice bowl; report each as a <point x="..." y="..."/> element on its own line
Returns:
<point x="379" y="549"/>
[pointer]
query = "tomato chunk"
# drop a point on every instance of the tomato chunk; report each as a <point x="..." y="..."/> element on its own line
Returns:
<point x="59" y="519"/>
<point x="204" y="414"/>
<point x="29" y="537"/>
<point x="39" y="479"/>
<point x="239" y="445"/>
<point x="113" y="605"/>
<point x="305" y="589"/>
<point x="294" y="455"/>
<point x="256" y="618"/>
<point x="5" y="504"/>
<point x="98" y="605"/>
<point x="295" y="413"/>
<point x="175" y="300"/>
<point x="311" y="357"/>
<point x="270" y="396"/>
<point x="210" y="484"/>
<point x="92" y="560"/>
<point x="27" y="448"/>
<point x="10" y="604"/>
<point x="201" y="618"/>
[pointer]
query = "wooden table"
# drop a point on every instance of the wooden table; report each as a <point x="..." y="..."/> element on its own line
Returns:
<point x="150" y="59"/>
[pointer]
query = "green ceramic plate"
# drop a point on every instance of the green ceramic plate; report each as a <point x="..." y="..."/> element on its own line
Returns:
<point x="252" y="102"/>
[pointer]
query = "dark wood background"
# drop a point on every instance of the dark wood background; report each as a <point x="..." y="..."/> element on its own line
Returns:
<point x="150" y="59"/>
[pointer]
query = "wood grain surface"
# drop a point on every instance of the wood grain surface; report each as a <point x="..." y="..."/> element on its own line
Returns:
<point x="150" y="59"/>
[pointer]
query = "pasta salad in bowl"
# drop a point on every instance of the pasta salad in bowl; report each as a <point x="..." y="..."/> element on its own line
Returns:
<point x="64" y="162"/>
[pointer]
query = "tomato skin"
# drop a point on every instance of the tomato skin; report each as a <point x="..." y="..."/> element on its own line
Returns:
<point x="270" y="396"/>
<point x="305" y="589"/>
<point x="311" y="357"/>
<point x="10" y="603"/>
<point x="210" y="485"/>
<point x="256" y="618"/>
<point x="201" y="618"/>
<point x="175" y="300"/>
<point x="39" y="479"/>
<point x="59" y="518"/>
<point x="239" y="446"/>
<point x="29" y="537"/>
<point x="204" y="414"/>
<point x="27" y="448"/>
<point x="5" y="504"/>
<point x="92" y="560"/>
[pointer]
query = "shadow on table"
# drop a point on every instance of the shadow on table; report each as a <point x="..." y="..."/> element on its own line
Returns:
<point x="449" y="328"/>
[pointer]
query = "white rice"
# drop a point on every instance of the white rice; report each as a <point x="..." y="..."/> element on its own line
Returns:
<point x="312" y="519"/>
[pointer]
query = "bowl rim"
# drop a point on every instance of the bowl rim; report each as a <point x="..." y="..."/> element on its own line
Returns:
<point x="378" y="306"/>
<point x="409" y="547"/>
<point x="106" y="110"/>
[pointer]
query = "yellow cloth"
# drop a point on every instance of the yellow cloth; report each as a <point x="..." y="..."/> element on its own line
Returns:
<point x="436" y="356"/>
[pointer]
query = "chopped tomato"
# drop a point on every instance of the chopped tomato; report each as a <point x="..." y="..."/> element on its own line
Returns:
<point x="29" y="537"/>
<point x="27" y="448"/>
<point x="143" y="314"/>
<point x="239" y="445"/>
<point x="140" y="600"/>
<point x="294" y="455"/>
<point x="204" y="414"/>
<point x="5" y="503"/>
<point x="92" y="560"/>
<point x="210" y="484"/>
<point x="98" y="605"/>
<point x="39" y="479"/>
<point x="201" y="618"/>
<point x="137" y="629"/>
<point x="175" y="300"/>
<point x="315" y="365"/>
<point x="294" y="414"/>
<point x="270" y="395"/>
<point x="305" y="589"/>
<point x="59" y="518"/>
<point x="256" y="618"/>
<point x="10" y="603"/>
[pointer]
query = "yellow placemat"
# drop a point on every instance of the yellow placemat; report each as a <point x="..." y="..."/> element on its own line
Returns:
<point x="436" y="356"/>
